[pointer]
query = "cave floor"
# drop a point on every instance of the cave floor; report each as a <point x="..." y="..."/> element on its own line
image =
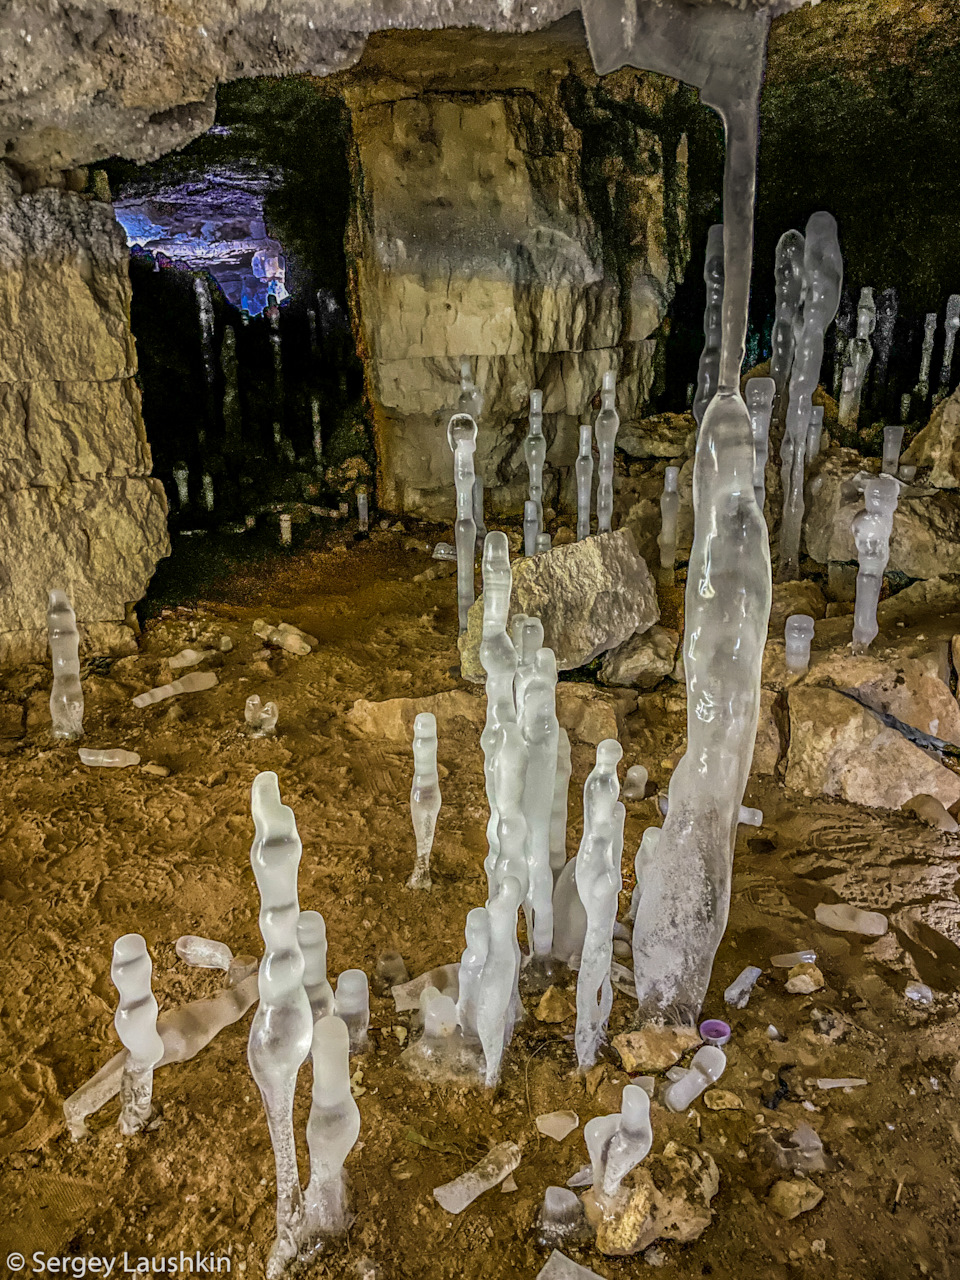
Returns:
<point x="87" y="854"/>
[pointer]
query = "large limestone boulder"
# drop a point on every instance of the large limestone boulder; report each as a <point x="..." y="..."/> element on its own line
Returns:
<point x="926" y="525"/>
<point x="938" y="445"/>
<point x="590" y="597"/>
<point x="643" y="660"/>
<point x="839" y="748"/>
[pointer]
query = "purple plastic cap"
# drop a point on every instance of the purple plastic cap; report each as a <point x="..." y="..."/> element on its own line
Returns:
<point x="714" y="1031"/>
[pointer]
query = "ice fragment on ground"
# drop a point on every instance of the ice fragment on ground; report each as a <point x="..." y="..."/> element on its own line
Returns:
<point x="107" y="757"/>
<point x="708" y="1065"/>
<point x="195" y="682"/>
<point x="559" y="1267"/>
<point x="919" y="992"/>
<point x="457" y="1195"/>
<point x="557" y="1124"/>
<point x="285" y="636"/>
<point x="737" y="995"/>
<point x="188" y="658"/>
<point x="788" y="959"/>
<point x="842" y="1082"/>
<point x="841" y="916"/>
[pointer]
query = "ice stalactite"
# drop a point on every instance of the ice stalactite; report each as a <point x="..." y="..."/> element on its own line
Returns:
<point x="682" y="912"/>
<point x="788" y="274"/>
<point x="822" y="279"/>
<point x="709" y="367"/>
<point x="66" y="694"/>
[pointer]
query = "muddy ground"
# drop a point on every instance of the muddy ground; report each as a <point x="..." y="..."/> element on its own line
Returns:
<point x="86" y="855"/>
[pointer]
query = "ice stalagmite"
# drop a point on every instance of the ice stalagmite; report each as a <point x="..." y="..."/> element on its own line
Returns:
<point x="951" y="323"/>
<point x="136" y="1024"/>
<point x="527" y="635"/>
<point x="282" y="1029"/>
<point x="859" y="355"/>
<point x="815" y="432"/>
<point x="352" y="1003"/>
<point x="667" y="537"/>
<point x="498" y="657"/>
<point x="498" y="1000"/>
<point x="822" y="279"/>
<point x="510" y="772"/>
<point x="472" y="960"/>
<point x="614" y="1154"/>
<point x="333" y="1128"/>
<point x="462" y="438"/>
<point x="922" y="389"/>
<point x="424" y="796"/>
<point x="709" y="368"/>
<point x="583" y="467"/>
<point x="871" y="532"/>
<point x="535" y="452"/>
<point x="883" y="342"/>
<point x="606" y="427"/>
<point x="66" y="695"/>
<point x="312" y="936"/>
<point x="530" y="531"/>
<point x="598" y="883"/>
<point x="471" y="398"/>
<point x="788" y="274"/>
<point x="760" y="394"/>
<point x="205" y="307"/>
<point x="541" y="735"/>
<point x="558" y="814"/>
<point x="685" y="901"/>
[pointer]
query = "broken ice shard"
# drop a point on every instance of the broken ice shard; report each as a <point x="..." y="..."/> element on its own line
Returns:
<point x="708" y="1065"/>
<point x="709" y="369"/>
<point x="424" y="796"/>
<point x="108" y="758"/>
<point x="462" y="438"/>
<point x="66" y="694"/>
<point x="261" y="718"/>
<point x="192" y="683"/>
<point x="584" y="473"/>
<point x="798" y="634"/>
<point x="606" y="427"/>
<point x="490" y="1172"/>
<point x="352" y="1004"/>
<point x="737" y="995"/>
<point x="667" y="537"/>
<point x="871" y="532"/>
<point x="333" y="1128"/>
<point x="136" y="1024"/>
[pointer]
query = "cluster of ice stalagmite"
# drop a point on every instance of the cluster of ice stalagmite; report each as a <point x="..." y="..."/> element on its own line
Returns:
<point x="261" y="717"/>
<point x="462" y="438"/>
<point x="859" y="355"/>
<point x="424" y="796"/>
<point x="872" y="528"/>
<point x="669" y="514"/>
<point x="66" y="694"/>
<point x="822" y="278"/>
<point x="136" y="1024"/>
<point x="617" y="1143"/>
<point x="709" y="368"/>
<point x="788" y="275"/>
<point x="583" y="468"/>
<point x="606" y="427"/>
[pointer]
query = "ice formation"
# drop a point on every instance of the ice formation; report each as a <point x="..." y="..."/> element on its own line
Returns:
<point x="542" y="542"/>
<point x="363" y="510"/>
<point x="871" y="531"/>
<point x="478" y="518"/>
<point x="951" y="323"/>
<point x="424" y="796"/>
<point x="887" y="305"/>
<point x="822" y="279"/>
<point x="261" y="717"/>
<point x="204" y="953"/>
<point x="922" y="389"/>
<point x="499" y="1161"/>
<point x="442" y="1053"/>
<point x="708" y="371"/>
<point x="527" y="636"/>
<point x="760" y="400"/>
<point x="285" y="636"/>
<point x="860" y="354"/>
<point x="497" y="1000"/>
<point x="708" y="1065"/>
<point x="892" y="444"/>
<point x="66" y="694"/>
<point x="848" y="919"/>
<point x="181" y="478"/>
<point x="599" y="883"/>
<point x="788" y="274"/>
<point x="535" y="452"/>
<point x="471" y="399"/>
<point x="206" y="486"/>
<point x="108" y="758"/>
<point x="558" y="814"/>
<point x="583" y="468"/>
<point x="737" y="995"/>
<point x="642" y="864"/>
<point x="136" y="1024"/>
<point x="462" y="438"/>
<point x="472" y="960"/>
<point x="616" y="1144"/>
<point x="560" y="1219"/>
<point x="333" y="1128"/>
<point x="195" y="682"/>
<point x="541" y="738"/>
<point x="312" y="937"/>
<point x="498" y="657"/>
<point x="815" y="432"/>
<point x="281" y="1033"/>
<point x="569" y="917"/>
<point x="635" y="782"/>
<point x="188" y="658"/>
<point x="667" y="537"/>
<point x="530" y="527"/>
<point x="797" y="634"/>
<point x="606" y="427"/>
<point x="351" y="1002"/>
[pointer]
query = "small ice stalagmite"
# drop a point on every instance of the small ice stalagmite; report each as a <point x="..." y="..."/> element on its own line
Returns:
<point x="606" y="427"/>
<point x="543" y="542"/>
<point x="498" y="657"/>
<point x="181" y="478"/>
<point x="333" y="1128"/>
<point x="871" y="531"/>
<point x="798" y="635"/>
<point x="892" y="444"/>
<point x="510" y="772"/>
<point x="261" y="717"/>
<point x="424" y="796"/>
<point x="541" y="735"/>
<point x="627" y="1145"/>
<point x="558" y="814"/>
<point x="498" y="1000"/>
<point x="471" y="398"/>
<point x="951" y="323"/>
<point x="822" y="279"/>
<point x="108" y="758"/>
<point x="859" y="356"/>
<point x="583" y="468"/>
<point x="351" y="1002"/>
<point x="281" y="1033"/>
<point x="195" y="682"/>
<point x="530" y="530"/>
<point x="312" y="936"/>
<point x="708" y="1065"/>
<point x="709" y="368"/>
<point x="527" y="635"/>
<point x="462" y="438"/>
<point x="922" y="389"/>
<point x="759" y="395"/>
<point x="635" y="782"/>
<point x="363" y="510"/>
<point x="535" y="452"/>
<point x="66" y="694"/>
<point x="887" y="305"/>
<point x="472" y="960"/>
<point x="669" y="513"/>
<point x="205" y="308"/>
<point x="642" y="863"/>
<point x="788" y="274"/>
<point x="136" y="1024"/>
<point x="814" y="433"/>
<point x="598" y="883"/>
<point x="569" y="917"/>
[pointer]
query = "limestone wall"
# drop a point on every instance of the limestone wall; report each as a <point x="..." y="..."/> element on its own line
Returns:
<point x="77" y="506"/>
<point x="502" y="225"/>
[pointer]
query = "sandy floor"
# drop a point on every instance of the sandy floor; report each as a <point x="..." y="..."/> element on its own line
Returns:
<point x="86" y="855"/>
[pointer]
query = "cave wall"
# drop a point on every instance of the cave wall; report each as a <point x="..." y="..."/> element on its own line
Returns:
<point x="536" y="225"/>
<point x="77" y="506"/>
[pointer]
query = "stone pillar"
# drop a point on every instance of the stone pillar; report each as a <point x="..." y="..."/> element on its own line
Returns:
<point x="78" y="508"/>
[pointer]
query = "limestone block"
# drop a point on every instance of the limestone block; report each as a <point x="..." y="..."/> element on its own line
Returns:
<point x="768" y="746"/>
<point x="64" y="291"/>
<point x="590" y="597"/>
<point x="794" y="597"/>
<point x="839" y="748"/>
<point x="938" y="445"/>
<point x="54" y="432"/>
<point x="664" y="435"/>
<point x="99" y="541"/>
<point x="926" y="525"/>
<point x="643" y="660"/>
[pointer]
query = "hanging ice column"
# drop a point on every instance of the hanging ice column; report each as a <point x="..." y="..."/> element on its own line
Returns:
<point x="606" y="427"/>
<point x="462" y="438"/>
<point x="709" y="367"/>
<point x="683" y="909"/>
<point x="66" y="695"/>
<point x="822" y="278"/>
